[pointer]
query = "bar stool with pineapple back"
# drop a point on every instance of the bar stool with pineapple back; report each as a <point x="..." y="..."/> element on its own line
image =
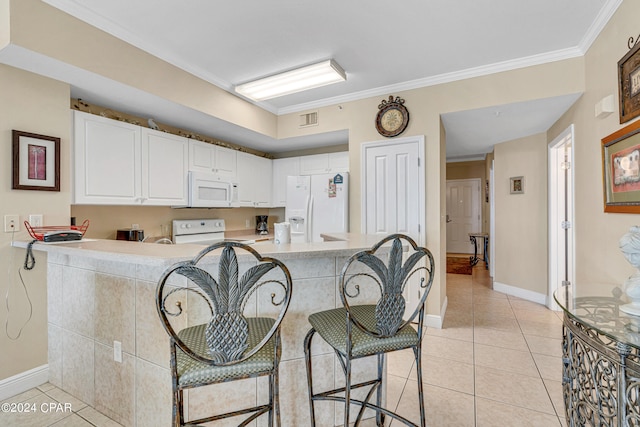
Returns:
<point x="227" y="343"/>
<point x="362" y="330"/>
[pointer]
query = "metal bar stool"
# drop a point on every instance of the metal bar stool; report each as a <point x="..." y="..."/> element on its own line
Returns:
<point x="356" y="331"/>
<point x="229" y="346"/>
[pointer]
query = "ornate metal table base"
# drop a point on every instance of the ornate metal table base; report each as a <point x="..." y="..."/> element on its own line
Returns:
<point x="473" y="237"/>
<point x="600" y="378"/>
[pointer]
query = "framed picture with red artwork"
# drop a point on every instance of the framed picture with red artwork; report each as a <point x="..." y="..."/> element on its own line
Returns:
<point x="36" y="162"/>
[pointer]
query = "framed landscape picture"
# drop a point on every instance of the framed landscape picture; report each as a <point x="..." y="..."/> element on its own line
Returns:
<point x="621" y="170"/>
<point x="36" y="162"/>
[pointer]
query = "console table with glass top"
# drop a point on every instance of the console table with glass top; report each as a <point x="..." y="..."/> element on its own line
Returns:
<point x="601" y="360"/>
<point x="473" y="237"/>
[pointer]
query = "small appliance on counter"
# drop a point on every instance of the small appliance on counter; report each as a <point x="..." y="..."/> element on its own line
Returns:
<point x="262" y="226"/>
<point x="131" y="234"/>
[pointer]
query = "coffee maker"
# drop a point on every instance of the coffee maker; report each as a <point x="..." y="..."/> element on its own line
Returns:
<point x="262" y="227"/>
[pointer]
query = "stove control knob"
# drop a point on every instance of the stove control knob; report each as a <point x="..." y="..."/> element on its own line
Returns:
<point x="188" y="225"/>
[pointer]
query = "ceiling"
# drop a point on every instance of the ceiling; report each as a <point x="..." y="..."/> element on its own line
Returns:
<point x="383" y="49"/>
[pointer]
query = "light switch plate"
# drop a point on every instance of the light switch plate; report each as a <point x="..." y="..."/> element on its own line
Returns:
<point x="35" y="220"/>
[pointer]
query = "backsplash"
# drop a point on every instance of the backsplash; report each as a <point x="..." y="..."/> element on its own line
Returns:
<point x="156" y="220"/>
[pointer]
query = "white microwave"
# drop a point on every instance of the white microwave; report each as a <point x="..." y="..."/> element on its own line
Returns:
<point x="207" y="191"/>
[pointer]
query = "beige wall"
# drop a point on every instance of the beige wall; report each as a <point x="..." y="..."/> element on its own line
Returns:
<point x="39" y="105"/>
<point x="521" y="219"/>
<point x="599" y="262"/>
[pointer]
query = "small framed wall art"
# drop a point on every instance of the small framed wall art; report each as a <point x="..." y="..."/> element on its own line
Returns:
<point x="36" y="162"/>
<point x="621" y="170"/>
<point x="629" y="84"/>
<point x="516" y="185"/>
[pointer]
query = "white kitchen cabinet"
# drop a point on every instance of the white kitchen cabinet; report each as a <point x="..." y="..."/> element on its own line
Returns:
<point x="107" y="161"/>
<point x="117" y="163"/>
<point x="282" y="168"/>
<point x="254" y="180"/>
<point x="324" y="163"/>
<point x="211" y="158"/>
<point x="165" y="160"/>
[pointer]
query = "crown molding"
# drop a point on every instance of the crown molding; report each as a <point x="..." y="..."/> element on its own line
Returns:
<point x="598" y="24"/>
<point x="482" y="70"/>
<point x="75" y="8"/>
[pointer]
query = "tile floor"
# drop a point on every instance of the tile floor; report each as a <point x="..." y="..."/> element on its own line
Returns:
<point x="496" y="362"/>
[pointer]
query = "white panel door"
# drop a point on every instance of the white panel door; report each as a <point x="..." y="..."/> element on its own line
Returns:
<point x="391" y="189"/>
<point x="393" y="194"/>
<point x="463" y="214"/>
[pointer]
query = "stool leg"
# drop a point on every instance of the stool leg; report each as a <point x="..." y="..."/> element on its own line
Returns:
<point x="417" y="351"/>
<point x="275" y="383"/>
<point x="307" y="358"/>
<point x="272" y="392"/>
<point x="347" y="390"/>
<point x="379" y="415"/>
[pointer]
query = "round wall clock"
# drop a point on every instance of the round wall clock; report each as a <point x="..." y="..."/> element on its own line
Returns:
<point x="392" y="118"/>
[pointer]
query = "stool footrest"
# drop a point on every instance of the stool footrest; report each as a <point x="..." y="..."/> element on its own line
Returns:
<point x="259" y="410"/>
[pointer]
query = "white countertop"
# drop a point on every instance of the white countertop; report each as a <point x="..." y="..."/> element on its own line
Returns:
<point x="156" y="254"/>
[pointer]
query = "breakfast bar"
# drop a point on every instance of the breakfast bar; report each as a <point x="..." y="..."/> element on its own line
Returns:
<point x="108" y="348"/>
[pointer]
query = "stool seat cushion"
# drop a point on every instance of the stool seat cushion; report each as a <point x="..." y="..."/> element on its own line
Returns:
<point x="193" y="372"/>
<point x="332" y="327"/>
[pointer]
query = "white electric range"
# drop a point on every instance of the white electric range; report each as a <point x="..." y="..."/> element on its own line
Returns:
<point x="198" y="231"/>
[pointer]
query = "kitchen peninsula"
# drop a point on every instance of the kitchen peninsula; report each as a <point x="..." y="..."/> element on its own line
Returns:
<point x="107" y="346"/>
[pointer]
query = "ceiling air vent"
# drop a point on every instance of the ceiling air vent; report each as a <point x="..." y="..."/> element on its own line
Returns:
<point x="309" y="119"/>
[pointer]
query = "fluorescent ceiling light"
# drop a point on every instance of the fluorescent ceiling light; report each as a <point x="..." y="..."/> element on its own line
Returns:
<point x="309" y="77"/>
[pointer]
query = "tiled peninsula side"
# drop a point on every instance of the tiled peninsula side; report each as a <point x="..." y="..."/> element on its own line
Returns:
<point x="104" y="291"/>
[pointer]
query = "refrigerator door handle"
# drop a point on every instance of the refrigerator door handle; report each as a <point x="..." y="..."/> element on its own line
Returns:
<point x="309" y="218"/>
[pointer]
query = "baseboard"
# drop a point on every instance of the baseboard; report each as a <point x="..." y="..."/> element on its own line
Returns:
<point x="433" y="321"/>
<point x="24" y="381"/>
<point x="520" y="293"/>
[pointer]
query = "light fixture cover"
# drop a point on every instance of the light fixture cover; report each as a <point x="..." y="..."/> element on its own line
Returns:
<point x="309" y="77"/>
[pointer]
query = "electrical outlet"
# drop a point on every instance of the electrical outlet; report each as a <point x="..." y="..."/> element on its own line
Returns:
<point x="247" y="223"/>
<point x="11" y="223"/>
<point x="117" y="351"/>
<point x="35" y="220"/>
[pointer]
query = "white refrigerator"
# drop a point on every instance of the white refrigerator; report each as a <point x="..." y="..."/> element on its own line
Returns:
<point x="317" y="204"/>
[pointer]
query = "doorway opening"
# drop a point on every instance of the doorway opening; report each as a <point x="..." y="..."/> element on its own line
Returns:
<point x="464" y="214"/>
<point x="561" y="214"/>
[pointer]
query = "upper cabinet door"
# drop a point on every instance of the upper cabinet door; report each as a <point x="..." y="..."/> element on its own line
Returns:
<point x="226" y="163"/>
<point x="339" y="162"/>
<point x="210" y="158"/>
<point x="107" y="158"/>
<point x="164" y="169"/>
<point x="314" y="164"/>
<point x="254" y="180"/>
<point x="324" y="163"/>
<point x="282" y="168"/>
